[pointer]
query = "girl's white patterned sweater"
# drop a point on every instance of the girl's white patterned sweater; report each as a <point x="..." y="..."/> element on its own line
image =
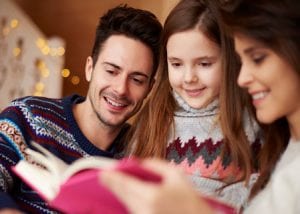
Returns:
<point x="196" y="144"/>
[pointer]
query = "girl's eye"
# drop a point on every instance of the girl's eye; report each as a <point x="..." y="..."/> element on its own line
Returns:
<point x="205" y="64"/>
<point x="176" y="64"/>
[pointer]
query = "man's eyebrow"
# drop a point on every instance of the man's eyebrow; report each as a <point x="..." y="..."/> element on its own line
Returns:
<point x="112" y="64"/>
<point x="139" y="73"/>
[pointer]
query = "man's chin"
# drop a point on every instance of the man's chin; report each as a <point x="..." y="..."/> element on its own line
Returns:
<point x="114" y="123"/>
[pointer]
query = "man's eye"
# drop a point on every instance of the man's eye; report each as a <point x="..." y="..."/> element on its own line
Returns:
<point x="110" y="71"/>
<point x="138" y="81"/>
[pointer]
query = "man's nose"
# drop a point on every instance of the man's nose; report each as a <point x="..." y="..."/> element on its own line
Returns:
<point x="121" y="85"/>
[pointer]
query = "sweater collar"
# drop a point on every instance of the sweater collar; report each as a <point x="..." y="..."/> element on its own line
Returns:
<point x="185" y="110"/>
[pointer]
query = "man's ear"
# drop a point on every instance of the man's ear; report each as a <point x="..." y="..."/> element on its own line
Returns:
<point x="89" y="68"/>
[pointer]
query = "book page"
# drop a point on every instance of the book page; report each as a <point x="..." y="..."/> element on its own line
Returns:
<point x="88" y="163"/>
<point x="48" y="160"/>
<point x="61" y="171"/>
<point x="39" y="179"/>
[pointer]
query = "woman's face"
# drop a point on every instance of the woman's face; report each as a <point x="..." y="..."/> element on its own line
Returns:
<point x="271" y="81"/>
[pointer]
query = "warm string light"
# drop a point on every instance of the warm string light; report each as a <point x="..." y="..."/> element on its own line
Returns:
<point x="44" y="71"/>
<point x="17" y="51"/>
<point x="42" y="44"/>
<point x="14" y="23"/>
<point x="6" y="29"/>
<point x="66" y="73"/>
<point x="39" y="89"/>
<point x="75" y="80"/>
<point x="45" y="49"/>
<point x="56" y="51"/>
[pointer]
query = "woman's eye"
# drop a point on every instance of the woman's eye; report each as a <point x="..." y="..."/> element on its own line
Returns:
<point x="258" y="58"/>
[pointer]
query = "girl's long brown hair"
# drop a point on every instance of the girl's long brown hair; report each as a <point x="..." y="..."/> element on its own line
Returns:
<point x="151" y="128"/>
<point x="276" y="25"/>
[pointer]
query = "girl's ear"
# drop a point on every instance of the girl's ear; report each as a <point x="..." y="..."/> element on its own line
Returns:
<point x="89" y="68"/>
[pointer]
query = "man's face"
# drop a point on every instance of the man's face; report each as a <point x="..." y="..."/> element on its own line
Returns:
<point x="120" y="80"/>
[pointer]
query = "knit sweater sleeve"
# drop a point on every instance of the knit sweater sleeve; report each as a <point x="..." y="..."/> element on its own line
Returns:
<point x="11" y="142"/>
<point x="6" y="201"/>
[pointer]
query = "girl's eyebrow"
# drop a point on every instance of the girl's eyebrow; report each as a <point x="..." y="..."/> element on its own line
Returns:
<point x="198" y="58"/>
<point x="173" y="58"/>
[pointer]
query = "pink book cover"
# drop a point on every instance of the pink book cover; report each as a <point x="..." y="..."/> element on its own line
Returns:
<point x="84" y="193"/>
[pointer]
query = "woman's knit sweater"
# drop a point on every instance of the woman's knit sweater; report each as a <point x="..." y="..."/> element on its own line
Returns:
<point x="281" y="194"/>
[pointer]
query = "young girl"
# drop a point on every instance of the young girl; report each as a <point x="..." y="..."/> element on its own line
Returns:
<point x="266" y="35"/>
<point x="187" y="119"/>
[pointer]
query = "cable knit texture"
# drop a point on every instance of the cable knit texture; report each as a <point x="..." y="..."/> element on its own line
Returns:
<point x="196" y="144"/>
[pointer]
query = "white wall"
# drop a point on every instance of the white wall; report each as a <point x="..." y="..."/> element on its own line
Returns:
<point x="30" y="64"/>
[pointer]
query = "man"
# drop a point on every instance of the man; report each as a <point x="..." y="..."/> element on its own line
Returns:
<point x="120" y="73"/>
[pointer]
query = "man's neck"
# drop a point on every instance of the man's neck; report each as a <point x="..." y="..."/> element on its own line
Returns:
<point x="98" y="134"/>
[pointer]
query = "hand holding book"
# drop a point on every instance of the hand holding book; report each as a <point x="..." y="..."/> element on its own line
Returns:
<point x="174" y="194"/>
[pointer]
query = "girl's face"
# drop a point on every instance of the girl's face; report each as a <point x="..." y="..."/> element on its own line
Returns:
<point x="194" y="66"/>
<point x="271" y="81"/>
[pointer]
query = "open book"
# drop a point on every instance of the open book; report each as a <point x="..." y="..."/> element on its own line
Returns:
<point x="76" y="188"/>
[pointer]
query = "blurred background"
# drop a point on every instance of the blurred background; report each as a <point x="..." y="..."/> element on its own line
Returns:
<point x="44" y="43"/>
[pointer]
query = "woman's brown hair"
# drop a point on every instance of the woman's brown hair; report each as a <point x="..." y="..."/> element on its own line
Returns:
<point x="276" y="25"/>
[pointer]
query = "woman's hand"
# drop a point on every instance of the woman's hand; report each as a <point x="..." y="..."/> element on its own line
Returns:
<point x="173" y="195"/>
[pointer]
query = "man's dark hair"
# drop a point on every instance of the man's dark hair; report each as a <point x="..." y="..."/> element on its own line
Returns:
<point x="134" y="23"/>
